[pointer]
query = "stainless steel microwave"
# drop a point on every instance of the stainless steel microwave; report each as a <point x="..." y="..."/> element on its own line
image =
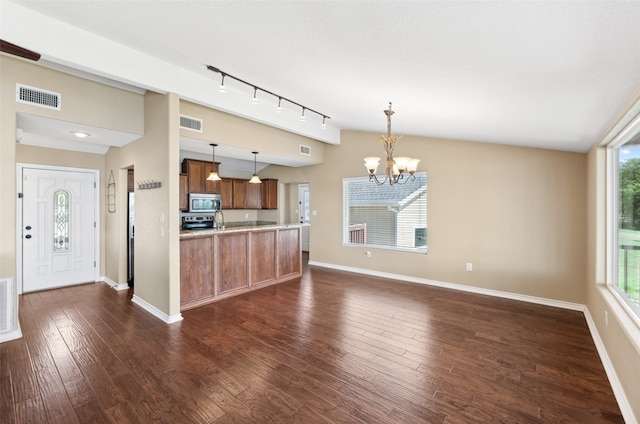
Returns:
<point x="204" y="203"/>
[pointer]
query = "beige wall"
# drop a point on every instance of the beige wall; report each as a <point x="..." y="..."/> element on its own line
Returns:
<point x="223" y="128"/>
<point x="618" y="331"/>
<point x="83" y="101"/>
<point x="153" y="157"/>
<point x="517" y="214"/>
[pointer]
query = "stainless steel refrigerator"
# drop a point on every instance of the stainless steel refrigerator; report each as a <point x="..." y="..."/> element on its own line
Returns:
<point x="130" y="236"/>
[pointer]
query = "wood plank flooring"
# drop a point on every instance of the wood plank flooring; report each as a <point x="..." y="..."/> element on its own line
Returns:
<point x="331" y="347"/>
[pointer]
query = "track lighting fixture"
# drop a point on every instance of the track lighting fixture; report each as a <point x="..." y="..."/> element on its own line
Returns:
<point x="222" y="89"/>
<point x="280" y="98"/>
<point x="213" y="176"/>
<point x="255" y="179"/>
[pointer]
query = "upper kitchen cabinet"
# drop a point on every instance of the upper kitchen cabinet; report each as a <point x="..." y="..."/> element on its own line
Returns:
<point x="253" y="196"/>
<point x="269" y="193"/>
<point x="239" y="194"/>
<point x="226" y="193"/>
<point x="198" y="171"/>
<point x="183" y="188"/>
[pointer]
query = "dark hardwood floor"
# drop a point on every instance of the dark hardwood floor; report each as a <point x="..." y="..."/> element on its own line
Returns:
<point x="329" y="347"/>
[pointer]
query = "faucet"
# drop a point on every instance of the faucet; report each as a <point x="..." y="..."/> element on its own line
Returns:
<point x="217" y="221"/>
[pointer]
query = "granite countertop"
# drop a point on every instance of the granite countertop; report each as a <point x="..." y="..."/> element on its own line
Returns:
<point x="237" y="227"/>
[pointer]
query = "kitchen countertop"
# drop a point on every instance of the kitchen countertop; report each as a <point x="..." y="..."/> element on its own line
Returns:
<point x="236" y="229"/>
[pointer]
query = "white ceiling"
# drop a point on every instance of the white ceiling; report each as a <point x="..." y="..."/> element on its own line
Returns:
<point x="548" y="74"/>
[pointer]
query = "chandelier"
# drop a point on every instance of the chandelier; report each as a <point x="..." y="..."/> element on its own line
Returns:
<point x="395" y="168"/>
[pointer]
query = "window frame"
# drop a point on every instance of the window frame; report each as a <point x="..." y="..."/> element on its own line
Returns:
<point x="423" y="250"/>
<point x="612" y="170"/>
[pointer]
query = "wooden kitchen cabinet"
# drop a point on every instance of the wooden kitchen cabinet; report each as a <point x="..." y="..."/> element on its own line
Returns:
<point x="239" y="194"/>
<point x="269" y="198"/>
<point x="289" y="251"/>
<point x="184" y="188"/>
<point x="253" y="196"/>
<point x="232" y="265"/>
<point x="226" y="193"/>
<point x="131" y="185"/>
<point x="196" y="267"/>
<point x="198" y="171"/>
<point x="263" y="257"/>
<point x="218" y="264"/>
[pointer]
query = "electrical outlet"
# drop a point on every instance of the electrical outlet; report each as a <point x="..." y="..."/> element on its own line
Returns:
<point x="368" y="253"/>
<point x="469" y="266"/>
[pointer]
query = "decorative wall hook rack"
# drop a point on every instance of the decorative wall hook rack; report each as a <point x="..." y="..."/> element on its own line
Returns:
<point x="111" y="193"/>
<point x="148" y="184"/>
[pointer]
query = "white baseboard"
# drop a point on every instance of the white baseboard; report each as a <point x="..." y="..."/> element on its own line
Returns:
<point x="155" y="311"/>
<point x="621" y="397"/>
<point x="12" y="335"/>
<point x="623" y="402"/>
<point x="461" y="287"/>
<point x="113" y="284"/>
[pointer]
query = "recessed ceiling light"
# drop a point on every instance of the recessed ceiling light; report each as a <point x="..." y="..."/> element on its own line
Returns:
<point x="80" y="134"/>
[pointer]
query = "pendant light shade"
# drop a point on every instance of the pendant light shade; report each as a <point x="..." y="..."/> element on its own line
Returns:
<point x="213" y="176"/>
<point x="255" y="179"/>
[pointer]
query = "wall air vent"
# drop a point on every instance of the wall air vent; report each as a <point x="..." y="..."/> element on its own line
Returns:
<point x="305" y="150"/>
<point x="190" y="123"/>
<point x="38" y="97"/>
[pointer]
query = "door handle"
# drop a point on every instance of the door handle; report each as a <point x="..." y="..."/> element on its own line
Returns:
<point x="28" y="236"/>
<point x="28" y="227"/>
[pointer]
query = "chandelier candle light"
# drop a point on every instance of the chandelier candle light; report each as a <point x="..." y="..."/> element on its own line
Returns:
<point x="395" y="168"/>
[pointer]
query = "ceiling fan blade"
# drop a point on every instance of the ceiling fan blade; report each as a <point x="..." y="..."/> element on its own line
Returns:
<point x="10" y="48"/>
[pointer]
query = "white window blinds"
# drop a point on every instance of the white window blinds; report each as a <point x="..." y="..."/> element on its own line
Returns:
<point x="385" y="216"/>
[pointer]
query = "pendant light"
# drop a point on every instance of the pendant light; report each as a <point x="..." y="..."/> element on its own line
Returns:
<point x="255" y="179"/>
<point x="213" y="176"/>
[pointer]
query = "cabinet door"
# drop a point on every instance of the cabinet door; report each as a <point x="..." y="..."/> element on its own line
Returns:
<point x="269" y="194"/>
<point x="232" y="264"/>
<point x="263" y="257"/>
<point x="289" y="251"/>
<point x="226" y="193"/>
<point x="184" y="187"/>
<point x="253" y="196"/>
<point x="239" y="194"/>
<point x="130" y="183"/>
<point x="196" y="269"/>
<point x="195" y="169"/>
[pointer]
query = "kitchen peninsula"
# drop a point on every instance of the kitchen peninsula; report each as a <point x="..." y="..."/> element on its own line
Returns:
<point x="217" y="264"/>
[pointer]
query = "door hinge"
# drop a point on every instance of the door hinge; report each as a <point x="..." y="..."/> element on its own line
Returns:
<point x="94" y="264"/>
<point x="94" y="224"/>
<point x="19" y="195"/>
<point x="94" y="184"/>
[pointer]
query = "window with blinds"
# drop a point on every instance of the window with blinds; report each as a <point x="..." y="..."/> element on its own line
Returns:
<point x="385" y="216"/>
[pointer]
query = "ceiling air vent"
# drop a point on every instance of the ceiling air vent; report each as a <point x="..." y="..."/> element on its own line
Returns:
<point x="38" y="97"/>
<point x="305" y="150"/>
<point x="190" y="123"/>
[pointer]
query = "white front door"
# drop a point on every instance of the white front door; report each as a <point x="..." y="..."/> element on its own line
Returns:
<point x="58" y="227"/>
